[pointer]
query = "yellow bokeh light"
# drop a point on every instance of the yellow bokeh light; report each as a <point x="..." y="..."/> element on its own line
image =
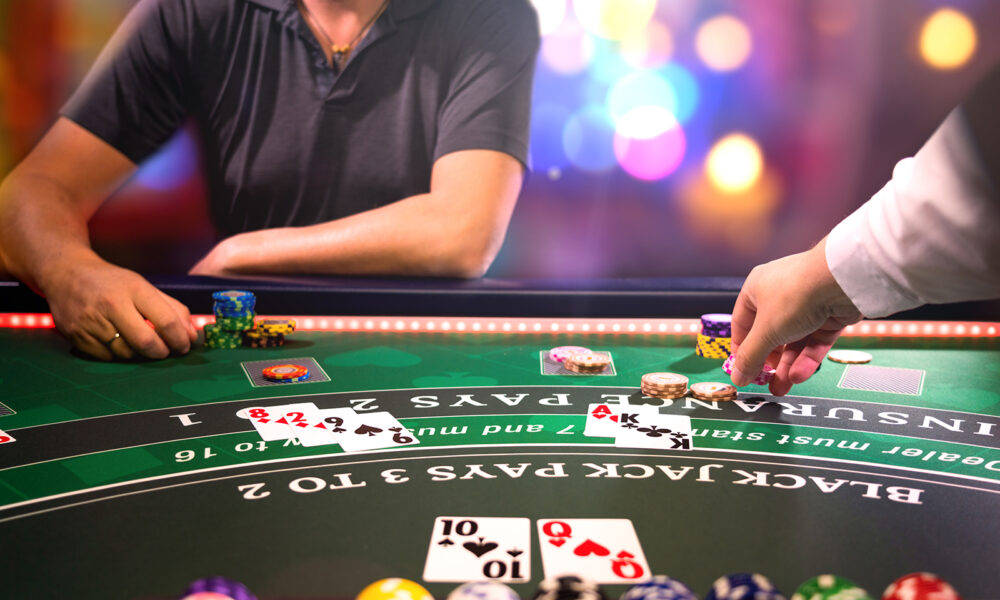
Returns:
<point x="614" y="19"/>
<point x="734" y="163"/>
<point x="723" y="43"/>
<point x="948" y="39"/>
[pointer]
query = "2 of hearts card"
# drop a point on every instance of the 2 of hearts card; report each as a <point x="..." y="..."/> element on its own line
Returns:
<point x="311" y="426"/>
<point x="479" y="548"/>
<point x="605" y="550"/>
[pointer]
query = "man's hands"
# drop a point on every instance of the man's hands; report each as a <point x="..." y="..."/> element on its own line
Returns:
<point x="788" y="314"/>
<point x="92" y="300"/>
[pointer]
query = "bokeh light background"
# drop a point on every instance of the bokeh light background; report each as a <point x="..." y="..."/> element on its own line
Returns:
<point x="670" y="137"/>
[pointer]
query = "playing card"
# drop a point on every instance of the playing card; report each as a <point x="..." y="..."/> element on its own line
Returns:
<point x="605" y="550"/>
<point x="6" y="438"/>
<point x="322" y="427"/>
<point x="477" y="548"/>
<point x="263" y="420"/>
<point x="372" y="431"/>
<point x="647" y="429"/>
<point x="602" y="420"/>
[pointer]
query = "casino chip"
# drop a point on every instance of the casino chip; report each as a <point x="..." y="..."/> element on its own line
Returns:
<point x="920" y="586"/>
<point x="829" y="587"/>
<point x="394" y="588"/>
<point x="667" y="386"/>
<point x="660" y="587"/>
<point x="217" y="588"/>
<point x="713" y="390"/>
<point x="743" y="586"/>
<point x="568" y="587"/>
<point x="286" y="373"/>
<point x="849" y="357"/>
<point x="763" y="378"/>
<point x="587" y="362"/>
<point x="560" y="353"/>
<point x="483" y="590"/>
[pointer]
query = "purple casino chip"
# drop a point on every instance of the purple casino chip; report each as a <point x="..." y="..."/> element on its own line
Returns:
<point x="217" y="588"/>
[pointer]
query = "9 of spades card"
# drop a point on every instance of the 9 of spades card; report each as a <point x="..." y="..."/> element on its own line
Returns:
<point x="373" y="431"/>
<point x="477" y="548"/>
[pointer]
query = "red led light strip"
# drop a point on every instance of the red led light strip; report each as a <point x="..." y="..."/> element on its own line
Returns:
<point x="892" y="329"/>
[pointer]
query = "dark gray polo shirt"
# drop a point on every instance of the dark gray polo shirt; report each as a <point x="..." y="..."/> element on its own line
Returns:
<point x="288" y="140"/>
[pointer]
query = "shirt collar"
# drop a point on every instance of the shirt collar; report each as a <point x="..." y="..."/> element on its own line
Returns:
<point x="401" y="9"/>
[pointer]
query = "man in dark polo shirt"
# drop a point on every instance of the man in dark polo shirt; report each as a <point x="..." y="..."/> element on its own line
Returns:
<point x="340" y="136"/>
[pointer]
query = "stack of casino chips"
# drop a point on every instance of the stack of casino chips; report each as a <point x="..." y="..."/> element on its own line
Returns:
<point x="268" y="333"/>
<point x="710" y="391"/>
<point x="234" y="314"/>
<point x="715" y="338"/>
<point x="667" y="386"/>
<point x="587" y="362"/>
<point x="743" y="586"/>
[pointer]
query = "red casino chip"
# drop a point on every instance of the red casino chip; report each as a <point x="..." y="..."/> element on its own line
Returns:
<point x="284" y="372"/>
<point x="920" y="586"/>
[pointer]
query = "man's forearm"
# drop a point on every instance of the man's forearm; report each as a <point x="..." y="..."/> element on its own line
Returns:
<point x="421" y="235"/>
<point x="41" y="229"/>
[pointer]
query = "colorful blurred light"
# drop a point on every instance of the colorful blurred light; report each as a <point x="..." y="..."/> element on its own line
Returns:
<point x="568" y="49"/>
<point x="547" y="123"/>
<point x="614" y="19"/>
<point x="947" y="39"/>
<point x="657" y="151"/>
<point x="652" y="48"/>
<point x="685" y="88"/>
<point x="588" y="139"/>
<point x="642" y="88"/>
<point x="550" y="14"/>
<point x="734" y="163"/>
<point x="723" y="43"/>
<point x="726" y="218"/>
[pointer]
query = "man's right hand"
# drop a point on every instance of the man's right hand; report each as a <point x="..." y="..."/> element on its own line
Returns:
<point x="92" y="300"/>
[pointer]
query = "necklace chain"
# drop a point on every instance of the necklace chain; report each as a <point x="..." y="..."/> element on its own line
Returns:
<point x="342" y="52"/>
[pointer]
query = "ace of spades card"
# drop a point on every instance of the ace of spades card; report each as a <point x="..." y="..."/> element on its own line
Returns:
<point x="477" y="548"/>
<point x="606" y="550"/>
<point x="372" y="431"/>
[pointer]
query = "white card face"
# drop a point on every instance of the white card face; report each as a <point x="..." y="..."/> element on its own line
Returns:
<point x="602" y="420"/>
<point x="477" y="548"/>
<point x="605" y="550"/>
<point x="6" y="438"/>
<point x="373" y="431"/>
<point x="318" y="431"/>
<point x="264" y="420"/>
<point x="653" y="430"/>
<point x="335" y="422"/>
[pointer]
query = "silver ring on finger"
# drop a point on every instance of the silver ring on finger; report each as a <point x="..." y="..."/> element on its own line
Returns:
<point x="116" y="336"/>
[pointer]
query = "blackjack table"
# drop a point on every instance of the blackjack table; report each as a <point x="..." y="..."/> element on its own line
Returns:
<point x="131" y="479"/>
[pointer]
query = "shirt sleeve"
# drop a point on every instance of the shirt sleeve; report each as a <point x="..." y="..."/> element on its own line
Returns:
<point x="930" y="235"/>
<point x="133" y="98"/>
<point x="488" y="105"/>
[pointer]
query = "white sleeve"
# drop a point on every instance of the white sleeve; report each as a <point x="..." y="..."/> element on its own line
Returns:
<point x="931" y="235"/>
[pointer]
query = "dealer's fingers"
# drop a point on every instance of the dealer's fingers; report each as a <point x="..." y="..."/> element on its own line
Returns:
<point x="782" y="383"/>
<point x="88" y="344"/>
<point x="812" y="355"/>
<point x="751" y="354"/>
<point x="744" y="315"/>
<point x="165" y="320"/>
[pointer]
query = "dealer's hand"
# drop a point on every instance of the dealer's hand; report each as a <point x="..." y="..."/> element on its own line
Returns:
<point x="788" y="314"/>
<point x="93" y="300"/>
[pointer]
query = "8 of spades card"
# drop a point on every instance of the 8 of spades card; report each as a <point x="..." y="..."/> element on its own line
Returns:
<point x="477" y="548"/>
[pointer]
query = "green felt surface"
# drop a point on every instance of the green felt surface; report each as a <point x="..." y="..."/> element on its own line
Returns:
<point x="44" y="383"/>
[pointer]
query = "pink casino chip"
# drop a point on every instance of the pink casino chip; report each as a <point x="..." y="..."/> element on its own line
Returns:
<point x="561" y="353"/>
<point x="763" y="378"/>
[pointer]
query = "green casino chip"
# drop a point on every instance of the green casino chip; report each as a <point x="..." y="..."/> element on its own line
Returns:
<point x="830" y="587"/>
